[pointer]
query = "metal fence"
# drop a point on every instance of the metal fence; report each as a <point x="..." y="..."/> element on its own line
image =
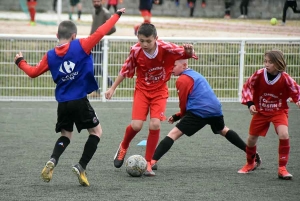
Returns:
<point x="226" y="64"/>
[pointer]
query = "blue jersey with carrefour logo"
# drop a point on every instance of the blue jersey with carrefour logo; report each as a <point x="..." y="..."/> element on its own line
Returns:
<point x="202" y="100"/>
<point x="73" y="73"/>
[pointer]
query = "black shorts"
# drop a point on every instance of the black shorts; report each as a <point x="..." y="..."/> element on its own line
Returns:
<point x="79" y="112"/>
<point x="74" y="2"/>
<point x="190" y="123"/>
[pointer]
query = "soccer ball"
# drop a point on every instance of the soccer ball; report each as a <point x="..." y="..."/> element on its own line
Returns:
<point x="273" y="21"/>
<point x="136" y="165"/>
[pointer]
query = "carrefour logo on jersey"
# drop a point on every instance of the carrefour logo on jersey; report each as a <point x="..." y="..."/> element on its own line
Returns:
<point x="67" y="68"/>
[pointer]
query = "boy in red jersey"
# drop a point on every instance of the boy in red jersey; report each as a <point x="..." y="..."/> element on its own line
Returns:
<point x="145" y="8"/>
<point x="153" y="61"/>
<point x="266" y="93"/>
<point x="199" y="106"/>
<point x="31" y="4"/>
<point x="71" y="67"/>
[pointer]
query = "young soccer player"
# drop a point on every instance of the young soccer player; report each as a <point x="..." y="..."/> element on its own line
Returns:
<point x="191" y="5"/>
<point x="31" y="4"/>
<point x="71" y="66"/>
<point x="266" y="93"/>
<point x="199" y="106"/>
<point x="153" y="61"/>
<point x="145" y="8"/>
<point x="75" y="3"/>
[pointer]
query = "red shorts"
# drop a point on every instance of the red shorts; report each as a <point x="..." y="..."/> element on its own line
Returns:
<point x="145" y="13"/>
<point x="31" y="3"/>
<point x="260" y="123"/>
<point x="155" y="101"/>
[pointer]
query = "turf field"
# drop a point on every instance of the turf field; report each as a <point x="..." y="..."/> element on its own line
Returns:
<point x="203" y="167"/>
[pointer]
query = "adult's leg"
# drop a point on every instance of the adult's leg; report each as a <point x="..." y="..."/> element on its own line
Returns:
<point x="285" y="7"/>
<point x="246" y="3"/>
<point x="294" y="7"/>
<point x="54" y="5"/>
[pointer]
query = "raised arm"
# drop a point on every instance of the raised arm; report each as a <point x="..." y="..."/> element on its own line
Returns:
<point x="32" y="71"/>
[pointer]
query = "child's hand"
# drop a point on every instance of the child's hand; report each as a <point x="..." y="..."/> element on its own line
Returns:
<point x="121" y="10"/>
<point x="189" y="49"/>
<point x="18" y="56"/>
<point x="109" y="93"/>
<point x="252" y="110"/>
<point x="298" y="104"/>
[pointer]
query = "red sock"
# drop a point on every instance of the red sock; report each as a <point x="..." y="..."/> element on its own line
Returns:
<point x="147" y="21"/>
<point x="128" y="136"/>
<point x="32" y="13"/>
<point x="152" y="141"/>
<point x="284" y="150"/>
<point x="250" y="152"/>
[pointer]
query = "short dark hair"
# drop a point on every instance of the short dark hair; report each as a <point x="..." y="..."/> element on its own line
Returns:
<point x="66" y="29"/>
<point x="147" y="30"/>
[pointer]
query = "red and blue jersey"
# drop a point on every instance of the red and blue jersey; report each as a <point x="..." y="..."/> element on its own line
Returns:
<point x="63" y="62"/>
<point x="196" y="95"/>
<point x="72" y="72"/>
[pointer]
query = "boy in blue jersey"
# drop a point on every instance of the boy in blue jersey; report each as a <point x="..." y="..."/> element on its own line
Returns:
<point x="71" y="67"/>
<point x="199" y="106"/>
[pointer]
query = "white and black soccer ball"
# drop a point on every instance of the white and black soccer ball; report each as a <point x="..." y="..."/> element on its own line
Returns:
<point x="136" y="165"/>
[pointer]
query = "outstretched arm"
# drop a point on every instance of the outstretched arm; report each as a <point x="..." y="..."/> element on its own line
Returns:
<point x="109" y="93"/>
<point x="32" y="71"/>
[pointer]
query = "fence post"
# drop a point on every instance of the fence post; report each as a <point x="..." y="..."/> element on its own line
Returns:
<point x="105" y="67"/>
<point x="242" y="62"/>
<point x="59" y="10"/>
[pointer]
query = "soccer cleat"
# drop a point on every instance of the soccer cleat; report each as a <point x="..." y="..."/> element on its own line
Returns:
<point x="47" y="171"/>
<point x="149" y="173"/>
<point x="284" y="174"/>
<point x="257" y="159"/>
<point x="247" y="168"/>
<point x="119" y="157"/>
<point x="80" y="173"/>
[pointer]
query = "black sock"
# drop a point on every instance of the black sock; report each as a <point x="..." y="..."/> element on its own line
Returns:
<point x="163" y="148"/>
<point x="79" y="14"/>
<point x="59" y="147"/>
<point x="90" y="148"/>
<point x="235" y="139"/>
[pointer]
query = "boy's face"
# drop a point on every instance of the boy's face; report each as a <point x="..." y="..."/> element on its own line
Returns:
<point x="179" y="67"/>
<point x="148" y="44"/>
